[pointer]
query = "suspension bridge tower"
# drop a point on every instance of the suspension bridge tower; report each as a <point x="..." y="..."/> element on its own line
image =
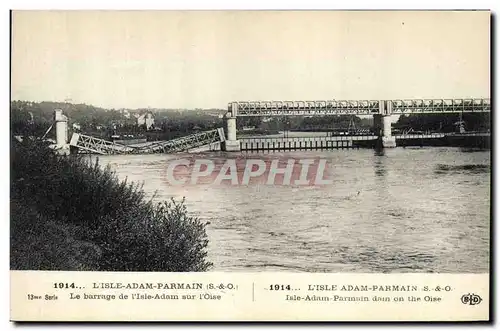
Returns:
<point x="61" y="123"/>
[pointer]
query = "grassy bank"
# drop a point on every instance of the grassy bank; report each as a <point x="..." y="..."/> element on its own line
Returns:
<point x="70" y="214"/>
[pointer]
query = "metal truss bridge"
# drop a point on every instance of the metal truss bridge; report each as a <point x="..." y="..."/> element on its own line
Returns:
<point x="93" y="145"/>
<point x="357" y="107"/>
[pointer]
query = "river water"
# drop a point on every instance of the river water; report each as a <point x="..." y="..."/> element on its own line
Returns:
<point x="400" y="210"/>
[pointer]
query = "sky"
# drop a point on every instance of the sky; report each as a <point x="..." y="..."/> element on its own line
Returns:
<point x="206" y="59"/>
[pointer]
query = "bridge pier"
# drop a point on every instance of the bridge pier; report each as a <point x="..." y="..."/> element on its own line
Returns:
<point x="61" y="122"/>
<point x="388" y="141"/>
<point x="231" y="144"/>
<point x="382" y="124"/>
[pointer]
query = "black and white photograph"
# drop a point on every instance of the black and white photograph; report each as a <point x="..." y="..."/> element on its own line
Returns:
<point x="250" y="141"/>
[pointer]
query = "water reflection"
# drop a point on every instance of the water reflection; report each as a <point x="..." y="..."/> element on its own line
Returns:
<point x="379" y="163"/>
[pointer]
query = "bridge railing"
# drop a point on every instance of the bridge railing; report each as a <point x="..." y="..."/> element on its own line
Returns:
<point x="290" y="108"/>
<point x="97" y="145"/>
<point x="357" y="107"/>
<point x="100" y="146"/>
<point x="183" y="143"/>
<point x="440" y="106"/>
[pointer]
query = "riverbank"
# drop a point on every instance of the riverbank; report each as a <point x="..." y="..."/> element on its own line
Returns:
<point x="69" y="213"/>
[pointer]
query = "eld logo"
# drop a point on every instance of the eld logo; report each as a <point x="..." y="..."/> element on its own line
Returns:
<point x="471" y="299"/>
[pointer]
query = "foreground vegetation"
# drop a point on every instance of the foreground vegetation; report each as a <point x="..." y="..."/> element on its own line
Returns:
<point x="68" y="213"/>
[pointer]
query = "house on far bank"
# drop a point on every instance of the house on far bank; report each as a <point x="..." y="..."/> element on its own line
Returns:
<point x="145" y="119"/>
<point x="125" y="113"/>
<point x="76" y="126"/>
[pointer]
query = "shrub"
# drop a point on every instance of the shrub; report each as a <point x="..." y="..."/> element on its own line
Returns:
<point x="164" y="238"/>
<point x="128" y="231"/>
<point x="38" y="243"/>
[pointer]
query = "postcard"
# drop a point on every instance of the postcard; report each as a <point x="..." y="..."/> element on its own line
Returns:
<point x="250" y="165"/>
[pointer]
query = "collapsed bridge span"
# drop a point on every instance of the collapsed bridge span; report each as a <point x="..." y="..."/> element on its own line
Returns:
<point x="92" y="145"/>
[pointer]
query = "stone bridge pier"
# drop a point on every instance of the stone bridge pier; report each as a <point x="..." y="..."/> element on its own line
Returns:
<point x="61" y="124"/>
<point x="382" y="125"/>
<point x="231" y="144"/>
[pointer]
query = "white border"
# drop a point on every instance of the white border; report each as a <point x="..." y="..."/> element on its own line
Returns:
<point x="254" y="4"/>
